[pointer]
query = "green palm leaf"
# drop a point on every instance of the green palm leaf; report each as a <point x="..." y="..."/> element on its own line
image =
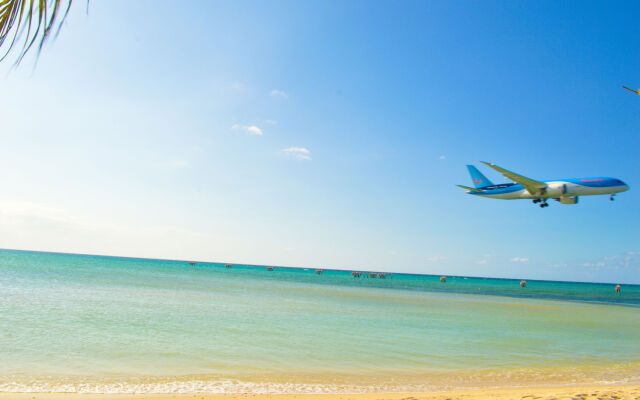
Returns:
<point x="37" y="17"/>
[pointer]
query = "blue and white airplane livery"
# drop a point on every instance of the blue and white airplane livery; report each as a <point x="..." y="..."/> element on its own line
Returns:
<point x="566" y="191"/>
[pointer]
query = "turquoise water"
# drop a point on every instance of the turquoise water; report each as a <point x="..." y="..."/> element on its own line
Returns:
<point x="107" y="324"/>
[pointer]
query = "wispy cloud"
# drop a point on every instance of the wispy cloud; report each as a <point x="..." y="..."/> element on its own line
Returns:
<point x="248" y="129"/>
<point x="519" y="259"/>
<point x="443" y="157"/>
<point x="630" y="259"/>
<point x="435" y="258"/>
<point x="271" y="122"/>
<point x="301" y="153"/>
<point x="44" y="227"/>
<point x="179" y="164"/>
<point x="279" y="93"/>
<point x="593" y="264"/>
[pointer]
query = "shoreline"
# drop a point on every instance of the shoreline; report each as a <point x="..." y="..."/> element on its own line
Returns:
<point x="574" y="392"/>
<point x="614" y="375"/>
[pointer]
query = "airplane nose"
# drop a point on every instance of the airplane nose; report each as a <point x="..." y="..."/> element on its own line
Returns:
<point x="625" y="187"/>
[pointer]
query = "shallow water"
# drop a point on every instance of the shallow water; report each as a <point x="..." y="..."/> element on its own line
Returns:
<point x="107" y="324"/>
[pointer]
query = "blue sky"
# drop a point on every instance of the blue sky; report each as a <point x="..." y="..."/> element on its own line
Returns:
<point x="327" y="134"/>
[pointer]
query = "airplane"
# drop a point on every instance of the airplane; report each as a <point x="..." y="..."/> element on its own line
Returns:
<point x="634" y="91"/>
<point x="565" y="191"/>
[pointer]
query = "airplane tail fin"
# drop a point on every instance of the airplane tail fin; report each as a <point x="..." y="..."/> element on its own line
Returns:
<point x="479" y="180"/>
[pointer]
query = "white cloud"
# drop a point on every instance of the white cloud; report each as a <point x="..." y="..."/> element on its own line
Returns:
<point x="630" y="259"/>
<point x="482" y="261"/>
<point x="300" y="153"/>
<point x="43" y="227"/>
<point x="435" y="258"/>
<point x="35" y="214"/>
<point x="271" y="122"/>
<point x="593" y="265"/>
<point x="442" y="157"/>
<point x="519" y="259"/>
<point x="279" y="93"/>
<point x="248" y="129"/>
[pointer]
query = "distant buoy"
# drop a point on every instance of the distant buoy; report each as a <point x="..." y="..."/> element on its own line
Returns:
<point x="523" y="283"/>
<point x="319" y="271"/>
<point x="443" y="279"/>
<point x="617" y="288"/>
<point x="269" y="268"/>
<point x="192" y="263"/>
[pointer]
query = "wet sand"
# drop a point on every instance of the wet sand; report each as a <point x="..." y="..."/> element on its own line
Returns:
<point x="604" y="392"/>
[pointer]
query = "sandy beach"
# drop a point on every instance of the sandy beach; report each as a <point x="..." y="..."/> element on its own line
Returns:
<point x="604" y="392"/>
<point x="91" y="324"/>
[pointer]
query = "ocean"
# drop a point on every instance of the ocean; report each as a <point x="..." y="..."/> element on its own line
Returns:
<point x="80" y="323"/>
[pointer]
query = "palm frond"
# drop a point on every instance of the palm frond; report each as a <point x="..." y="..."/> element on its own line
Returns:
<point x="38" y="17"/>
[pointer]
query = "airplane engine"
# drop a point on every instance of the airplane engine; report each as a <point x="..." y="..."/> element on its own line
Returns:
<point x="557" y="189"/>
<point x="569" y="199"/>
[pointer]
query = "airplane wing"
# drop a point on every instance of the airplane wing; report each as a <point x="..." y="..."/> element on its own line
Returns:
<point x="470" y="188"/>
<point x="532" y="186"/>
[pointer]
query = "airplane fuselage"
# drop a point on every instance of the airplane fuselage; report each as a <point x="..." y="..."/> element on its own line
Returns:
<point x="557" y="189"/>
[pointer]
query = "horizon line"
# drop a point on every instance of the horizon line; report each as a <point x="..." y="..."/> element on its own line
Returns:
<point x="292" y="267"/>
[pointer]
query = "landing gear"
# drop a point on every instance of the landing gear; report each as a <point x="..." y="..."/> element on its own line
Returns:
<point x="536" y="201"/>
<point x="612" y="197"/>
<point x="543" y="203"/>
